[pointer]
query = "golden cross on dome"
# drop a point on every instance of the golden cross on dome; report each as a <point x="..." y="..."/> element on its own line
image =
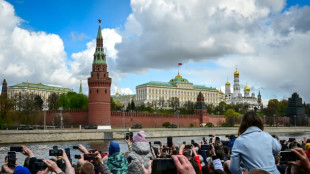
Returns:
<point x="99" y="20"/>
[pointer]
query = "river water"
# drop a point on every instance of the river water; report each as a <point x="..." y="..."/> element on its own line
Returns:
<point x="41" y="150"/>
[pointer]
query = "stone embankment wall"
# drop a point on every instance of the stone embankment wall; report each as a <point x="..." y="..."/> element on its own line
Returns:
<point x="31" y="136"/>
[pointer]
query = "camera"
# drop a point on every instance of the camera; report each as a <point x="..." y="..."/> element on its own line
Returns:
<point x="227" y="136"/>
<point x="205" y="147"/>
<point x="11" y="159"/>
<point x="90" y="156"/>
<point x="75" y="147"/>
<point x="217" y="139"/>
<point x="39" y="165"/>
<point x="127" y="135"/>
<point x="67" y="151"/>
<point x="286" y="156"/>
<point x="291" y="139"/>
<point x="55" y="152"/>
<point x="16" y="149"/>
<point x="156" y="142"/>
<point x="163" y="166"/>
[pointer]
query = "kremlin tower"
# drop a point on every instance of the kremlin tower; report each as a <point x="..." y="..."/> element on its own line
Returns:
<point x="99" y="84"/>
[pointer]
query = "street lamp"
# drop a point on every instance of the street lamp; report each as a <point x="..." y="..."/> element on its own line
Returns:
<point x="218" y="118"/>
<point x="264" y="119"/>
<point x="123" y="110"/>
<point x="131" y="119"/>
<point x="61" y="119"/>
<point x="274" y="120"/>
<point x="284" y="120"/>
<point x="295" y="120"/>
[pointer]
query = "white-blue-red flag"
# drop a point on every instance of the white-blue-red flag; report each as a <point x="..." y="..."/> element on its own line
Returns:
<point x="180" y="64"/>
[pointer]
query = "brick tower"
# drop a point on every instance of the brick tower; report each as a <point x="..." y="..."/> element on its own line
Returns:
<point x="201" y="109"/>
<point x="4" y="95"/>
<point x="99" y="84"/>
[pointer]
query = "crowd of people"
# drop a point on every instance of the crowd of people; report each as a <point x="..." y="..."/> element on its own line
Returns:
<point x="252" y="152"/>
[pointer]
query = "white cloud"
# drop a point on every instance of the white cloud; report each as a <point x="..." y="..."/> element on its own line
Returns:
<point x="122" y="91"/>
<point x="78" y="37"/>
<point x="33" y="56"/>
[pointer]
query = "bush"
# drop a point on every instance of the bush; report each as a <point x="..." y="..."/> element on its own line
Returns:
<point x="166" y="124"/>
<point x="191" y="125"/>
<point x="225" y="124"/>
<point x="209" y="125"/>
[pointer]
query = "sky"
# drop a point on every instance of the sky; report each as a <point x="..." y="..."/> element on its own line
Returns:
<point x="53" y="42"/>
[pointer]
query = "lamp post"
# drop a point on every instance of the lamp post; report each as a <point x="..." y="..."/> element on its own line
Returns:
<point x="45" y="107"/>
<point x="295" y="120"/>
<point x="274" y="120"/>
<point x="178" y="114"/>
<point x="264" y="119"/>
<point x="218" y="118"/>
<point x="284" y="120"/>
<point x="131" y="119"/>
<point x="123" y="110"/>
<point x="61" y="119"/>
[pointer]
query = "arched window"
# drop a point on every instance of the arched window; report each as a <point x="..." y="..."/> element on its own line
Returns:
<point x="97" y="90"/>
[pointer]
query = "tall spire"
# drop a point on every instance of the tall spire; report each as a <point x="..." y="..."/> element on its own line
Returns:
<point x="99" y="35"/>
<point x="99" y="56"/>
<point x="81" y="90"/>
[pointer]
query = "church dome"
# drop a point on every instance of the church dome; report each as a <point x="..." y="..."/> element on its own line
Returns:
<point x="179" y="79"/>
<point x="246" y="88"/>
<point x="236" y="73"/>
<point x="227" y="83"/>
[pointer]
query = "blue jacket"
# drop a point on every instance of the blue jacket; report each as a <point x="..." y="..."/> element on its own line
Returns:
<point x="255" y="149"/>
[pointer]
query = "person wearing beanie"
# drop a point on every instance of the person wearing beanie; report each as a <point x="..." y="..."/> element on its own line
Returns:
<point x="307" y="149"/>
<point x="139" y="154"/>
<point x="21" y="170"/>
<point x="116" y="163"/>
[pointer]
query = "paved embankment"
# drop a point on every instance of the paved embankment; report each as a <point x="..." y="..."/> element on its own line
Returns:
<point x="31" y="136"/>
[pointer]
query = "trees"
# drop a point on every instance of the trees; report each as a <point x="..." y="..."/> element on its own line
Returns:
<point x="232" y="117"/>
<point x="174" y="103"/>
<point x="27" y="105"/>
<point x="53" y="101"/>
<point x="72" y="100"/>
<point x="38" y="103"/>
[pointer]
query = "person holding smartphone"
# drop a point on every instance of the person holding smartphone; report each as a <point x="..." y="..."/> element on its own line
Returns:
<point x="254" y="147"/>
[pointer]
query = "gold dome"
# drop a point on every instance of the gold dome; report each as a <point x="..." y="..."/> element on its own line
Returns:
<point x="178" y="76"/>
<point x="227" y="83"/>
<point x="236" y="73"/>
<point x="246" y="88"/>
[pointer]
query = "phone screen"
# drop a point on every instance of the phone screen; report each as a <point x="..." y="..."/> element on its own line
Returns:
<point x="163" y="166"/>
<point x="127" y="136"/>
<point x="11" y="159"/>
<point x="286" y="156"/>
<point x="16" y="149"/>
<point x="169" y="141"/>
<point x="205" y="147"/>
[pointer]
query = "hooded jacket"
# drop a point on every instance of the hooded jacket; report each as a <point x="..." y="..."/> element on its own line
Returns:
<point x="140" y="154"/>
<point x="117" y="163"/>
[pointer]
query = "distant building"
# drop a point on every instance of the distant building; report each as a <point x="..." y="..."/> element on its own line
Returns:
<point x="34" y="89"/>
<point x="159" y="93"/>
<point x="236" y="97"/>
<point x="296" y="110"/>
<point x="3" y="95"/>
<point x="123" y="99"/>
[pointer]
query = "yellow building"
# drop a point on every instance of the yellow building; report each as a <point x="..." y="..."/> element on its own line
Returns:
<point x="34" y="89"/>
<point x="159" y="93"/>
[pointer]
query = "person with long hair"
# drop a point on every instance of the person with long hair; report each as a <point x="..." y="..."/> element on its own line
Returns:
<point x="254" y="148"/>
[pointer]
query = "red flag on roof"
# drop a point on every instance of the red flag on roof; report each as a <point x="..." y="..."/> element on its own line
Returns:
<point x="180" y="64"/>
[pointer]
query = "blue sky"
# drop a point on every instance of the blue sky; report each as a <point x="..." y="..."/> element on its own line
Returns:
<point x="147" y="39"/>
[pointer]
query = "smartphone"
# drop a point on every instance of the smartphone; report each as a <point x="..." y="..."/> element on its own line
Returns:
<point x="75" y="147"/>
<point x="90" y="156"/>
<point x="11" y="159"/>
<point x="77" y="156"/>
<point x="282" y="141"/>
<point x="192" y="142"/>
<point x="127" y="136"/>
<point x="156" y="142"/>
<point x="92" y="151"/>
<point x="210" y="140"/>
<point x="55" y="152"/>
<point x="188" y="147"/>
<point x="217" y="139"/>
<point x="205" y="147"/>
<point x="150" y="144"/>
<point x="308" y="140"/>
<point x="164" y="166"/>
<point x="55" y="147"/>
<point x="169" y="141"/>
<point x="16" y="149"/>
<point x="286" y="156"/>
<point x="225" y="143"/>
<point x="67" y="151"/>
<point x="184" y="142"/>
<point x="131" y="135"/>
<point x="291" y="139"/>
<point x="39" y="165"/>
<point x="204" y="139"/>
